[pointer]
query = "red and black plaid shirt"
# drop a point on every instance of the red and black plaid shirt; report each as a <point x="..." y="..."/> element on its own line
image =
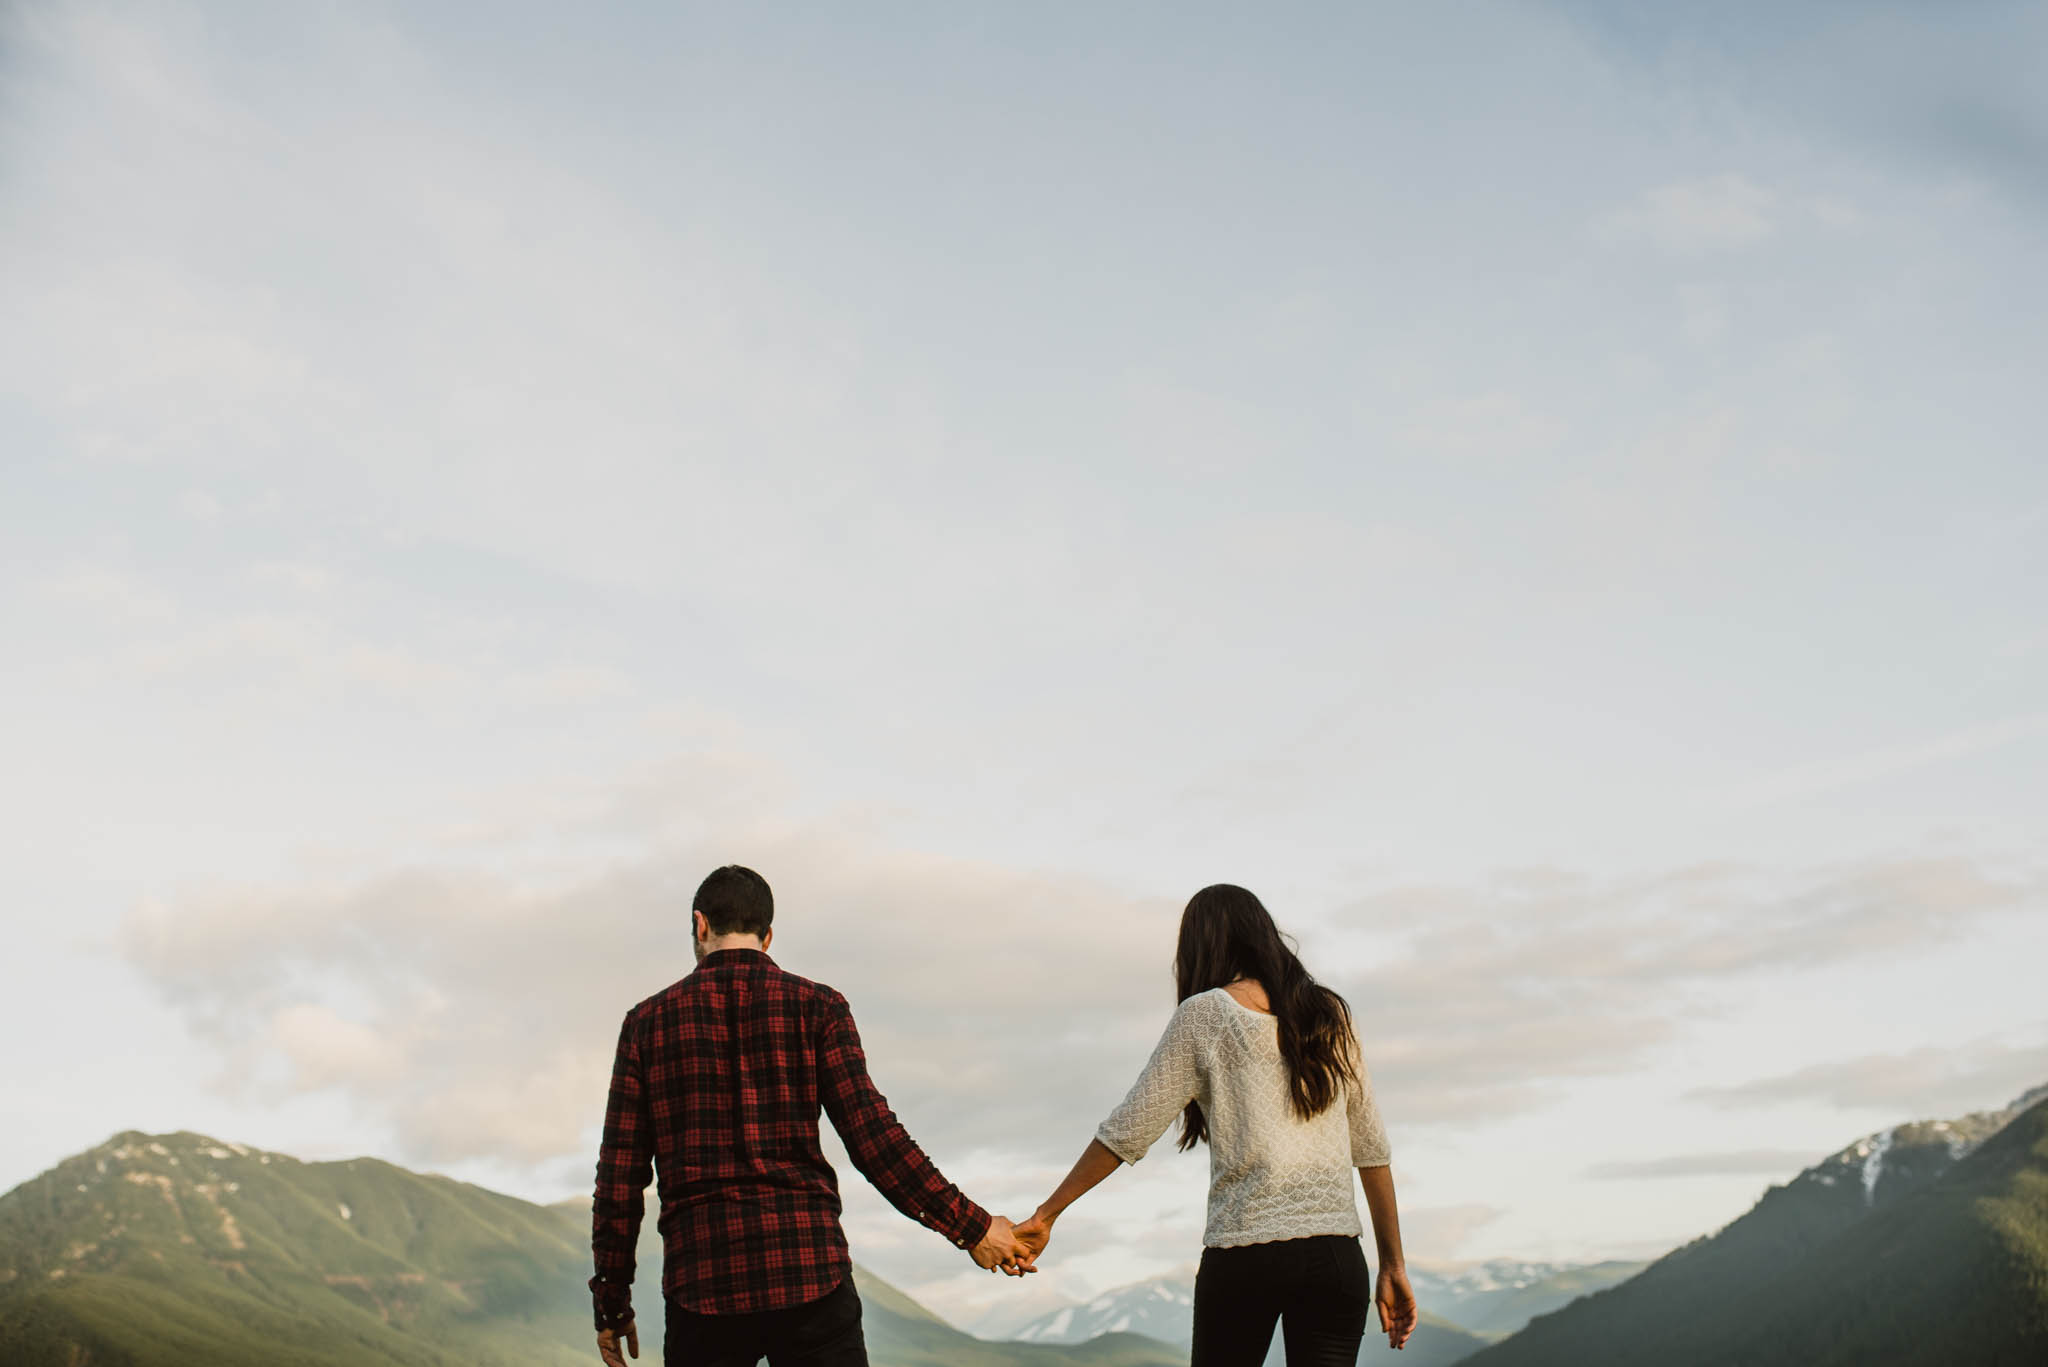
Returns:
<point x="720" y="1078"/>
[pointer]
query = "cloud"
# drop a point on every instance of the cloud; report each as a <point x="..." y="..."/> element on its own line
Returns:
<point x="325" y="1048"/>
<point x="1733" y="1163"/>
<point x="1814" y="779"/>
<point x="1483" y="1000"/>
<point x="1927" y="1083"/>
<point x="1717" y="213"/>
<point x="508" y="993"/>
<point x="468" y="995"/>
<point x="1438" y="1232"/>
<point x="316" y="646"/>
<point x="104" y="595"/>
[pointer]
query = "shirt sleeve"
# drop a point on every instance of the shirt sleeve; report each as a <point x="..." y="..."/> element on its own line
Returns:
<point x="1172" y="1078"/>
<point x="1369" y="1147"/>
<point x="879" y="1145"/>
<point x="625" y="1165"/>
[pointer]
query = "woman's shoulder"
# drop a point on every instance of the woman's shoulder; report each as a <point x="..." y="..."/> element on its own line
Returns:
<point x="1203" y="1006"/>
<point x="1216" y="1011"/>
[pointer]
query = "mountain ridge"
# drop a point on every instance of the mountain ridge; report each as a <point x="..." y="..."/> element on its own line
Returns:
<point x="1824" y="1269"/>
<point x="181" y="1250"/>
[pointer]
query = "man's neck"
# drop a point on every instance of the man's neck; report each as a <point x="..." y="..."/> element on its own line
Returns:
<point x="715" y="943"/>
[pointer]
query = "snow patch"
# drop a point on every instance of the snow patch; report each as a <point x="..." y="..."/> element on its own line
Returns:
<point x="1873" y="1152"/>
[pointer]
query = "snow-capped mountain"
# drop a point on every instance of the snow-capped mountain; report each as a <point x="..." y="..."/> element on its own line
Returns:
<point x="1162" y="1308"/>
<point x="1501" y="1295"/>
<point x="1002" y="1318"/>
<point x="1881" y="1167"/>
<point x="1459" y="1280"/>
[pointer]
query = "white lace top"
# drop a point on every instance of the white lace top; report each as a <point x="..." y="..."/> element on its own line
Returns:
<point x="1272" y="1175"/>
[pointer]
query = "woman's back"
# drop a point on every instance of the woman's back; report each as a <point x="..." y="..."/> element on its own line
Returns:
<point x="1272" y="1174"/>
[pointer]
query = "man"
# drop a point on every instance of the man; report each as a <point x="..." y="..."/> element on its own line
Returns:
<point x="720" y="1077"/>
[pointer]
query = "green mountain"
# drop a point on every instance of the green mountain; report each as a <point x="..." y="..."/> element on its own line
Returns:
<point x="1926" y="1246"/>
<point x="184" y="1251"/>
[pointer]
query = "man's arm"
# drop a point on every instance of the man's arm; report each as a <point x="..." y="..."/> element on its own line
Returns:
<point x="879" y="1145"/>
<point x="625" y="1165"/>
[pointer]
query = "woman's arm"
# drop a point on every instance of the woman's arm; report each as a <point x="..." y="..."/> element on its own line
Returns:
<point x="1394" y="1297"/>
<point x="1170" y="1081"/>
<point x="1096" y="1162"/>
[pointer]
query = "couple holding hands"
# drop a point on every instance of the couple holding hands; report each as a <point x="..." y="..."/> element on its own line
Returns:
<point x="721" y="1077"/>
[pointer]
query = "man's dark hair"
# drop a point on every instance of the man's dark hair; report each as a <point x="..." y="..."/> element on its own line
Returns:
<point x="735" y="901"/>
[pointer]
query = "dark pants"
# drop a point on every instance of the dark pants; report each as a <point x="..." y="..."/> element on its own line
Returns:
<point x="1317" y="1288"/>
<point x="820" y="1333"/>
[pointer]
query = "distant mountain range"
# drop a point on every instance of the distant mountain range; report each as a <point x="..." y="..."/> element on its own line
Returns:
<point x="1925" y="1245"/>
<point x="184" y="1251"/>
<point x="1160" y="1307"/>
<point x="1499" y="1296"/>
<point x="1163" y="1308"/>
<point x="1011" y="1311"/>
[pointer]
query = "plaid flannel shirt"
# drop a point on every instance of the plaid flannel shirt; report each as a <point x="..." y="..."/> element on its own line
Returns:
<point x="719" y="1081"/>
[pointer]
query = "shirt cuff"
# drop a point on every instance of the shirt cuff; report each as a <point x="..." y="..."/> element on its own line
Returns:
<point x="612" y="1303"/>
<point x="972" y="1226"/>
<point x="1119" y="1146"/>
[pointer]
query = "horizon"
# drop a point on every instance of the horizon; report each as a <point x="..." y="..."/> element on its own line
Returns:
<point x="1547" y="495"/>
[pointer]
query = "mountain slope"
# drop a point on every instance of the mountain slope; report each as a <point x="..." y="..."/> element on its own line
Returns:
<point x="182" y="1251"/>
<point x="1927" y="1244"/>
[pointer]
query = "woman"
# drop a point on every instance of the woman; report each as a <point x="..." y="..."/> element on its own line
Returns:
<point x="1262" y="1063"/>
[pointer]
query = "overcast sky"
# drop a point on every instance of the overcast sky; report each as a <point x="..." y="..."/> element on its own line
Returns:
<point x="1551" y="498"/>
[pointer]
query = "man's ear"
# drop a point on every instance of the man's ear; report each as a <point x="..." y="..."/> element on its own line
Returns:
<point x="699" y="927"/>
<point x="767" y="937"/>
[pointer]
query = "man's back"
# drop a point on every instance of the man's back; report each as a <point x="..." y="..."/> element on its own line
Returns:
<point x="719" y="1080"/>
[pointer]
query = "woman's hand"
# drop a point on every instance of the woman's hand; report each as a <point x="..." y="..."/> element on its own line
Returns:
<point x="1001" y="1249"/>
<point x="1096" y="1162"/>
<point x="1035" y="1233"/>
<point x="1396" y="1302"/>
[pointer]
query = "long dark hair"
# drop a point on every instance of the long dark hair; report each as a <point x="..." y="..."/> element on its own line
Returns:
<point x="1227" y="934"/>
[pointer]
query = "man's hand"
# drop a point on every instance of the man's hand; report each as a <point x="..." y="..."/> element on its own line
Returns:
<point x="608" y="1344"/>
<point x="1396" y="1302"/>
<point x="1000" y="1248"/>
<point x="1034" y="1234"/>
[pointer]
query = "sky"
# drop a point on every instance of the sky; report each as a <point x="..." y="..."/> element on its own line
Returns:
<point x="1549" y="495"/>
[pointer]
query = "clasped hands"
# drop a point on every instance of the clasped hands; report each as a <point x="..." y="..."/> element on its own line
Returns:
<point x="1012" y="1249"/>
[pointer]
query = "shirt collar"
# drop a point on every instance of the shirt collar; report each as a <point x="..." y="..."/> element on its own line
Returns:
<point x="732" y="958"/>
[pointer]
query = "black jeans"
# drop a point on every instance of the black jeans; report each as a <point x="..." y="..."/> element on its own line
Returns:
<point x="820" y="1333"/>
<point x="1317" y="1288"/>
